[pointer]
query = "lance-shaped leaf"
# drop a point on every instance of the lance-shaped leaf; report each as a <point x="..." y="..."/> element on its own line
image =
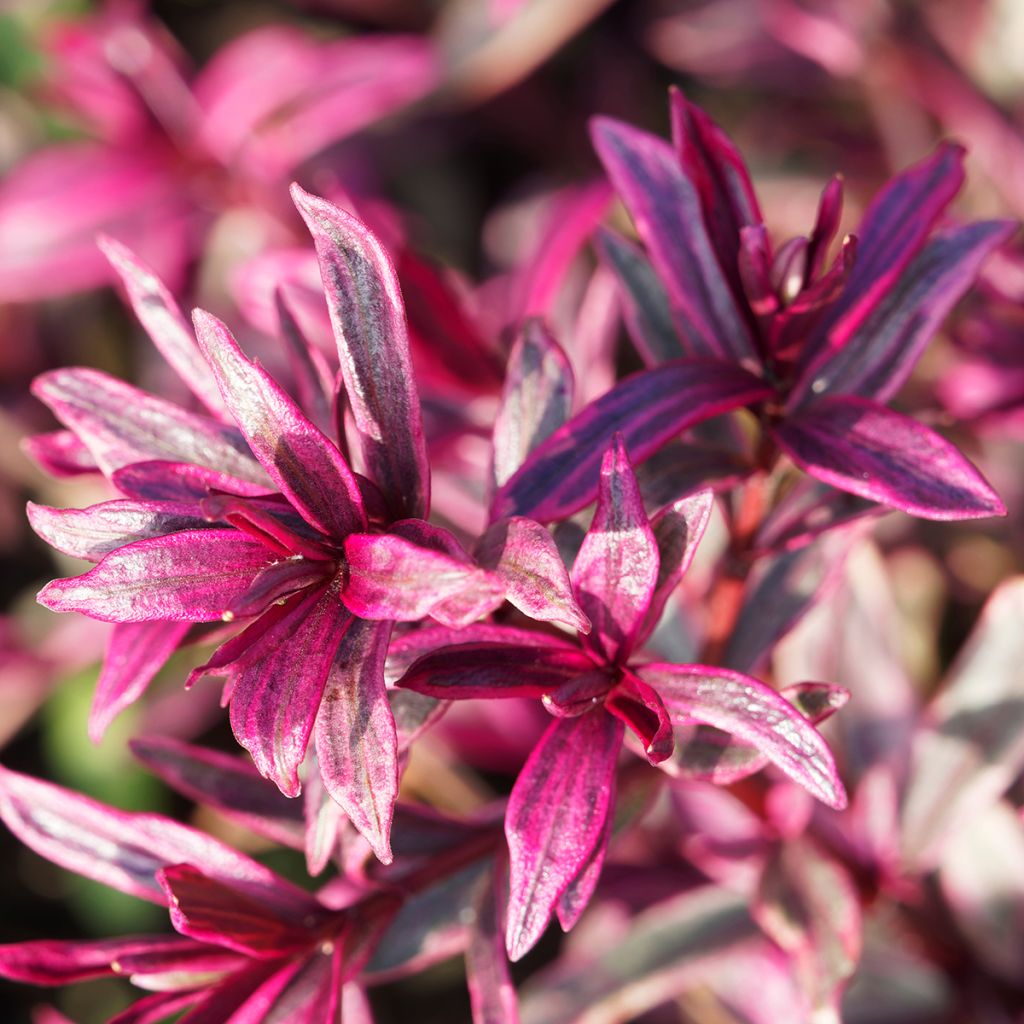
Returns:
<point x="314" y="383"/>
<point x="535" y="400"/>
<point x="271" y="522"/>
<point x="971" y="747"/>
<point x="755" y="714"/>
<point x="648" y="409"/>
<point x="645" y="306"/>
<point x="356" y="743"/>
<point x="580" y="890"/>
<point x="160" y="480"/>
<point x="159" y="314"/>
<point x="871" y="451"/>
<point x="368" y="318"/>
<point x="125" y="850"/>
<point x="390" y="577"/>
<point x="523" y="555"/>
<point x="616" y="570"/>
<point x="489" y="669"/>
<point x="276" y="691"/>
<point x="297" y="455"/>
<point x="555" y="817"/>
<point x="93" y="532"/>
<point x="639" y="707"/>
<point x="666" y="208"/>
<point x="492" y="995"/>
<point x="677" y="531"/>
<point x="136" y="651"/>
<point x="229" y="784"/>
<point x="877" y="359"/>
<point x="60" y="453"/>
<point x="189" y="576"/>
<point x="325" y="820"/>
<point x="120" y="424"/>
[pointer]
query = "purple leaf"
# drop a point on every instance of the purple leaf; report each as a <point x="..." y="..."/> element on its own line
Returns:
<point x="121" y="424"/>
<point x="314" y="384"/>
<point x="556" y="816"/>
<point x="639" y="707"/>
<point x="369" y="325"/>
<point x="875" y="361"/>
<point x="580" y="890"/>
<point x="136" y="651"/>
<point x="297" y="455"/>
<point x="325" y="820"/>
<point x="647" y="408"/>
<point x="226" y="783"/>
<point x="492" y="995"/>
<point x="159" y="480"/>
<point x="871" y="451"/>
<point x="276" y="691"/>
<point x="193" y="576"/>
<point x="616" y="570"/>
<point x="93" y="532"/>
<point x="356" y="743"/>
<point x="666" y="207"/>
<point x="482" y="669"/>
<point x="755" y="714"/>
<point x="158" y="313"/>
<point x="270" y="522"/>
<point x="523" y="555"/>
<point x="535" y="400"/>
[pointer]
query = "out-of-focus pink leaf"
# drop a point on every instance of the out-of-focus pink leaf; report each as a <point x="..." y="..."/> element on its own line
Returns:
<point x="276" y="691"/>
<point x="647" y="408"/>
<point x="555" y="817"/>
<point x="492" y="995"/>
<point x="193" y="575"/>
<point x="136" y="651"/>
<point x="877" y="358"/>
<point x="523" y="555"/>
<point x="93" y="532"/>
<point x="159" y="314"/>
<point x="325" y="820"/>
<point x="297" y="455"/>
<point x="807" y="510"/>
<point x="869" y="450"/>
<point x="226" y="783"/>
<point x="666" y="207"/>
<point x="356" y="743"/>
<point x="121" y="425"/>
<point x="971" y="747"/>
<point x="616" y="570"/>
<point x="755" y="714"/>
<point x="535" y="401"/>
<point x="368" y="317"/>
<point x="313" y="379"/>
<point x="60" y="453"/>
<point x="684" y="467"/>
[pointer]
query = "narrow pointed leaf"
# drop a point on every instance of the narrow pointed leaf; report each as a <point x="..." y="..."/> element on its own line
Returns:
<point x="273" y="523"/>
<point x="492" y="995"/>
<point x="193" y="575"/>
<point x="580" y="890"/>
<point x="666" y="207"/>
<point x="136" y="651"/>
<point x="616" y="570"/>
<point x="160" y="316"/>
<point x="314" y="384"/>
<point x="356" y="743"/>
<point x="60" y="453"/>
<point x="555" y="818"/>
<point x="876" y="453"/>
<point x="93" y="532"/>
<point x="121" y="425"/>
<point x="297" y="455"/>
<point x="535" y="400"/>
<point x="523" y="555"/>
<point x="278" y="688"/>
<point x="640" y="709"/>
<point x="648" y="408"/>
<point x="368" y="318"/>
<point x="325" y="820"/>
<point x="755" y="714"/>
<point x="159" y="480"/>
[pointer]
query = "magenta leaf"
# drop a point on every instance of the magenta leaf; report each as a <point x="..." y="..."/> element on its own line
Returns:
<point x="159" y="314"/>
<point x="368" y="317"/>
<point x="160" y="480"/>
<point x="535" y="401"/>
<point x="314" y="383"/>
<point x="877" y="358"/>
<point x="492" y="995"/>
<point x="580" y="890"/>
<point x="556" y="816"/>
<point x="270" y="522"/>
<point x="648" y="409"/>
<point x="297" y="455"/>
<point x="871" y="451"/>
<point x="356" y="743"/>
<point x="93" y="532"/>
<point x="325" y="820"/>
<point x="60" y="453"/>
<point x="640" y="709"/>
<point x="277" y="689"/>
<point x="616" y="570"/>
<point x="193" y="575"/>
<point x="753" y="713"/>
<point x="666" y="207"/>
<point x="121" y="424"/>
<point x="523" y="555"/>
<point x="136" y="651"/>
